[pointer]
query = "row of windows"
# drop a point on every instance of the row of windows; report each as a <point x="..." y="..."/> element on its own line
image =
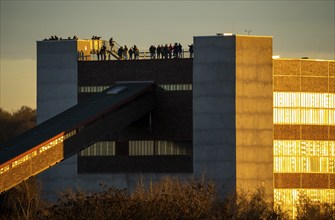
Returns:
<point x="173" y="148"/>
<point x="304" y="100"/>
<point x="137" y="148"/>
<point x="92" y="89"/>
<point x="304" y="156"/>
<point x="304" y="116"/>
<point x="32" y="154"/>
<point x="103" y="148"/>
<point x="303" y="148"/>
<point x="140" y="148"/>
<point x="289" y="198"/>
<point x="304" y="164"/>
<point x="70" y="134"/>
<point x="165" y="87"/>
<point x="4" y="169"/>
<point x="51" y="144"/>
<point x="176" y="87"/>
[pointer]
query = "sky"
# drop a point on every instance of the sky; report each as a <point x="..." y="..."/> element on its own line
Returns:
<point x="303" y="28"/>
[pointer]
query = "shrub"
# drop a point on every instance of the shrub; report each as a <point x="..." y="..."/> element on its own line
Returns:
<point x="308" y="209"/>
<point x="169" y="198"/>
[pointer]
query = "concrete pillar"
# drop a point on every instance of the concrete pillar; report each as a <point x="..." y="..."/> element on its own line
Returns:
<point x="232" y="111"/>
<point x="56" y="77"/>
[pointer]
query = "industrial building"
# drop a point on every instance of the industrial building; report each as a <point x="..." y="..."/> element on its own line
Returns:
<point x="232" y="114"/>
<point x="304" y="130"/>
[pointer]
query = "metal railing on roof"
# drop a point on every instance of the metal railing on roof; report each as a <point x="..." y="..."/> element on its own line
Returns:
<point x="111" y="53"/>
<point x="143" y="55"/>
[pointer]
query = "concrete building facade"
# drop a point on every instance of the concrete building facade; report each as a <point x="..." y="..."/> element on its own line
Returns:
<point x="232" y="111"/>
<point x="231" y="114"/>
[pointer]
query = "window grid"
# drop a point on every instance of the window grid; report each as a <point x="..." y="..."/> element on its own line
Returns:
<point x="173" y="148"/>
<point x="141" y="148"/>
<point x="295" y="156"/>
<point x="102" y="148"/>
<point x="175" y="87"/>
<point x="304" y="108"/>
<point x="164" y="87"/>
<point x="92" y="89"/>
<point x="33" y="154"/>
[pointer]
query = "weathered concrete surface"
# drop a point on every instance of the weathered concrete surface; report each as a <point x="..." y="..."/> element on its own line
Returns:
<point x="232" y="111"/>
<point x="56" y="77"/>
<point x="254" y="113"/>
<point x="214" y="129"/>
<point x="57" y="91"/>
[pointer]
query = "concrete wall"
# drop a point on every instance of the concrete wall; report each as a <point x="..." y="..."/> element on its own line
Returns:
<point x="56" y="92"/>
<point x="214" y="136"/>
<point x="232" y="111"/>
<point x="56" y="77"/>
<point x="254" y="113"/>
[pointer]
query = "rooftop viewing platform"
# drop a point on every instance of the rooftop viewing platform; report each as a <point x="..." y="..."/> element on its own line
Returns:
<point x="96" y="49"/>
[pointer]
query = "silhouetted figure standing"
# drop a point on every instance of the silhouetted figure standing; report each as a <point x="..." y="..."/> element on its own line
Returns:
<point x="191" y="50"/>
<point x="170" y="48"/>
<point x="180" y="51"/>
<point x="125" y="52"/>
<point x="152" y="51"/>
<point x="136" y="52"/>
<point x="103" y="53"/>
<point x="120" y="53"/>
<point x="175" y="50"/>
<point x="159" y="50"/>
<point x="166" y="51"/>
<point x="82" y="56"/>
<point x="131" y="52"/>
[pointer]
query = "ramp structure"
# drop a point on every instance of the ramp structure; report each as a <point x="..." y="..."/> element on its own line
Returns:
<point x="73" y="130"/>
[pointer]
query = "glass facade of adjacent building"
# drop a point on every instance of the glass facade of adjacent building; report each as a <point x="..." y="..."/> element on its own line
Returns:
<point x="304" y="139"/>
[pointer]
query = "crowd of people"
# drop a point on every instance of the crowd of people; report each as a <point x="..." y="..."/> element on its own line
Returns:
<point x="175" y="51"/>
<point x="123" y="53"/>
<point x="133" y="53"/>
<point x="59" y="38"/>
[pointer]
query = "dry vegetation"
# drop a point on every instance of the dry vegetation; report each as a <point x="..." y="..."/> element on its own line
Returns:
<point x="168" y="199"/>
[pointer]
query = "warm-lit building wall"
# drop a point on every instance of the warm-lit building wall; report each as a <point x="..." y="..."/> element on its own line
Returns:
<point x="304" y="130"/>
<point x="232" y="111"/>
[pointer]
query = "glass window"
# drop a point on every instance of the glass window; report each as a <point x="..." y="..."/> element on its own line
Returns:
<point x="303" y="156"/>
<point x="138" y="148"/>
<point x="102" y="148"/>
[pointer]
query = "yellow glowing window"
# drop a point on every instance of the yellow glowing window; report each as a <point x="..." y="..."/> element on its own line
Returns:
<point x="141" y="148"/>
<point x="102" y="148"/>
<point x="4" y="169"/>
<point x="304" y="108"/>
<point x="304" y="156"/>
<point x="289" y="198"/>
<point x="305" y="100"/>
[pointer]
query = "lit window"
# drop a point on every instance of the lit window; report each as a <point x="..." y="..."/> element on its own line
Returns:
<point x="303" y="156"/>
<point x="303" y="108"/>
<point x="173" y="148"/>
<point x="102" y="148"/>
<point x="289" y="198"/>
<point x="137" y="148"/>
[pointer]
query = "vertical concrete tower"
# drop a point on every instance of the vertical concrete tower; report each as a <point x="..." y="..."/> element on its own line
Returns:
<point x="232" y="111"/>
<point x="57" y="76"/>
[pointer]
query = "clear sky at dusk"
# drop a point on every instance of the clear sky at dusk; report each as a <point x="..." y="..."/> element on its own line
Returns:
<point x="299" y="28"/>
